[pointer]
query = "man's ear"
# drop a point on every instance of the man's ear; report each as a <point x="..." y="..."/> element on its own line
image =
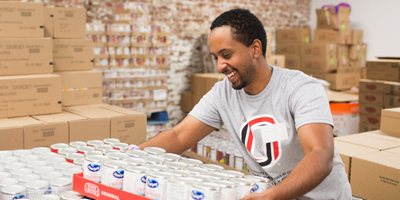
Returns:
<point x="257" y="48"/>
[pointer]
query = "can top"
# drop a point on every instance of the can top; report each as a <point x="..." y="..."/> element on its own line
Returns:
<point x="233" y="173"/>
<point x="47" y="155"/>
<point x="70" y="195"/>
<point x="62" y="166"/>
<point x="120" y="145"/>
<point x="60" y="182"/>
<point x="175" y="165"/>
<point x="95" y="143"/>
<point x="79" y="161"/>
<point x="136" y="153"/>
<point x="40" y="150"/>
<point x="8" y="181"/>
<point x="243" y="181"/>
<point x="73" y="156"/>
<point x="103" y="147"/>
<point x="14" y="165"/>
<point x="85" y="149"/>
<point x="22" y="152"/>
<point x="179" y="173"/>
<point x="59" y="146"/>
<point x="13" y="189"/>
<point x="196" y="170"/>
<point x="154" y="150"/>
<point x="55" y="160"/>
<point x="111" y="151"/>
<point x="181" y="180"/>
<point x="117" y="156"/>
<point x="157" y="167"/>
<point x="36" y="163"/>
<point x="171" y="157"/>
<point x="28" y="178"/>
<point x="72" y="171"/>
<point x="94" y="153"/>
<point x="191" y="162"/>
<point x="4" y="175"/>
<point x="48" y="197"/>
<point x="201" y="178"/>
<point x="38" y="184"/>
<point x="206" y="186"/>
<point x="218" y="176"/>
<point x="5" y="153"/>
<point x="51" y="175"/>
<point x="65" y="151"/>
<point x="111" y="140"/>
<point x="115" y="164"/>
<point x="29" y="158"/>
<point x="212" y="167"/>
<point x="96" y="158"/>
<point x="21" y="171"/>
<point x="1" y="168"/>
<point x="137" y="169"/>
<point x="257" y="179"/>
<point x="8" y="159"/>
<point x="225" y="183"/>
<point x="153" y="160"/>
<point x="135" y="161"/>
<point x="77" y="144"/>
<point x="161" y="175"/>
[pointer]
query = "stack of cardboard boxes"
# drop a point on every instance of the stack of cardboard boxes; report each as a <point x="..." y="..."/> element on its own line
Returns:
<point x="289" y="42"/>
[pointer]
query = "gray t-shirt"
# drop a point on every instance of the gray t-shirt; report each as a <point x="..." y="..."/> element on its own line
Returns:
<point x="290" y="100"/>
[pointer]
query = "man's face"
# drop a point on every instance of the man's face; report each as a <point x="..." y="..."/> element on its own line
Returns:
<point x="234" y="59"/>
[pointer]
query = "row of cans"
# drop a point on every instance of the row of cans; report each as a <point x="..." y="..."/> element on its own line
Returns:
<point x="13" y="192"/>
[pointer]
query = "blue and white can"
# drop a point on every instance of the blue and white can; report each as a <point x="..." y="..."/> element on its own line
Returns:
<point x="60" y="185"/>
<point x="178" y="188"/>
<point x="35" y="189"/>
<point x="228" y="189"/>
<point x="12" y="192"/>
<point x="92" y="167"/>
<point x="112" y="173"/>
<point x="243" y="186"/>
<point x="135" y="178"/>
<point x="156" y="186"/>
<point x="262" y="183"/>
<point x="205" y="190"/>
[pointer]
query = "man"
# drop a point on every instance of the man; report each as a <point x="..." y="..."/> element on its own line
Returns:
<point x="280" y="119"/>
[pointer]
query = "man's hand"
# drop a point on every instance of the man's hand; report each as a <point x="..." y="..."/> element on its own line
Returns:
<point x="257" y="196"/>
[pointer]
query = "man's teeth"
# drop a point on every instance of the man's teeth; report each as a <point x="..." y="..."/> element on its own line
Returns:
<point x="231" y="74"/>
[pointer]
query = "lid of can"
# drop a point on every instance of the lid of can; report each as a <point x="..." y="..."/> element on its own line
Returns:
<point x="233" y="173"/>
<point x="8" y="181"/>
<point x="56" y="160"/>
<point x="65" y="151"/>
<point x="111" y="151"/>
<point x="243" y="181"/>
<point x="94" y="153"/>
<point x="77" y="144"/>
<point x="95" y="143"/>
<point x="181" y="180"/>
<point x="103" y="147"/>
<point x="153" y="160"/>
<point x="62" y="166"/>
<point x="96" y="158"/>
<point x="115" y="163"/>
<point x="111" y="140"/>
<point x="212" y="167"/>
<point x="257" y="178"/>
<point x="51" y="175"/>
<point x="47" y="155"/>
<point x="8" y="159"/>
<point x="197" y="170"/>
<point x="157" y="167"/>
<point x="40" y="150"/>
<point x="206" y="186"/>
<point x="201" y="178"/>
<point x="59" y="182"/>
<point x="171" y="157"/>
<point x="191" y="162"/>
<point x="1" y="168"/>
<point x="218" y="176"/>
<point x="161" y="175"/>
<point x="29" y="158"/>
<point x="36" y="163"/>
<point x="225" y="183"/>
<point x="73" y="156"/>
<point x="43" y="169"/>
<point x="38" y="184"/>
<point x="154" y="150"/>
<point x="70" y="195"/>
<point x="22" y="152"/>
<point x="14" y="190"/>
<point x="79" y="161"/>
<point x="21" y="171"/>
<point x="120" y="145"/>
<point x="135" y="161"/>
<point x="72" y="171"/>
<point x="85" y="149"/>
<point x="59" y="146"/>
<point x="175" y="165"/>
<point x="48" y="197"/>
<point x="28" y="178"/>
<point x="117" y="156"/>
<point x="137" y="169"/>
<point x="5" y="153"/>
<point x="14" y="165"/>
<point x="136" y="153"/>
<point x="179" y="173"/>
<point x="4" y="175"/>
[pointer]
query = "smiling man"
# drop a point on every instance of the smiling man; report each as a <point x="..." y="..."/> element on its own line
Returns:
<point x="280" y="119"/>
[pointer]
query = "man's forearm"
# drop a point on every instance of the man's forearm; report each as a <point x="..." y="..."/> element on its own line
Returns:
<point x="168" y="140"/>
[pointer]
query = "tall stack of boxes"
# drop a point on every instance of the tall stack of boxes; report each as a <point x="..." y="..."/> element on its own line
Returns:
<point x="289" y="42"/>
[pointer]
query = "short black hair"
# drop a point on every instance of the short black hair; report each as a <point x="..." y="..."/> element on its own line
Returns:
<point x="246" y="27"/>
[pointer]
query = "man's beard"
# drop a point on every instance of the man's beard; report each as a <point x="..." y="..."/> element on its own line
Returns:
<point x="246" y="79"/>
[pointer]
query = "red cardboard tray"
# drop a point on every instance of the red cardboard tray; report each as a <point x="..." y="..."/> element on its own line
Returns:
<point x="99" y="191"/>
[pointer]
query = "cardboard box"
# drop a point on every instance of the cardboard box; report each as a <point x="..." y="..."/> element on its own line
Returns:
<point x="387" y="70"/>
<point x="29" y="95"/>
<point x="81" y="87"/>
<point x="186" y="101"/>
<point x="287" y="49"/>
<point x="371" y="98"/>
<point x="292" y="62"/>
<point x="370" y="108"/>
<point x="391" y="101"/>
<point x="356" y="52"/>
<point x="390" y="120"/>
<point x="202" y="83"/>
<point x="25" y="56"/>
<point x="345" y="118"/>
<point x="370" y="119"/>
<point x="268" y="49"/>
<point x="329" y="18"/>
<point x="195" y="99"/>
<point x="394" y="150"/>
<point x="126" y="125"/>
<point x="332" y="36"/>
<point x="12" y="135"/>
<point x="382" y="135"/>
<point x="343" y="55"/>
<point x="319" y="50"/>
<point x="277" y="60"/>
<point x="65" y="23"/>
<point x="212" y="79"/>
<point x="21" y="20"/>
<point x="72" y="54"/>
<point x="368" y="127"/>
<point x="376" y="175"/>
<point x="392" y="88"/>
<point x="338" y="81"/>
<point x="347" y="151"/>
<point x="370" y="141"/>
<point x="357" y="37"/>
<point x="371" y="86"/>
<point x="318" y="65"/>
<point x="296" y="35"/>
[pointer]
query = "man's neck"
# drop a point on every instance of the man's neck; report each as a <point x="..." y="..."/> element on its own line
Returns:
<point x="261" y="79"/>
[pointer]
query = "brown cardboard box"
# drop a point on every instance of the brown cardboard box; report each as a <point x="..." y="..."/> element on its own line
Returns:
<point x="296" y="35"/>
<point x="391" y="101"/>
<point x="25" y="56"/>
<point x="277" y="60"/>
<point x="370" y="141"/>
<point x="394" y="150"/>
<point x="387" y="70"/>
<point x="186" y="101"/>
<point x="382" y="135"/>
<point x="357" y="37"/>
<point x="126" y="125"/>
<point x="198" y="84"/>
<point x="12" y="135"/>
<point x="29" y="95"/>
<point x="371" y="98"/>
<point x="65" y="23"/>
<point x="390" y="121"/>
<point x="343" y="55"/>
<point x="355" y="52"/>
<point x="330" y="19"/>
<point x="375" y="175"/>
<point x="81" y="87"/>
<point x="269" y="49"/>
<point x="287" y="49"/>
<point x="320" y="50"/>
<point x="21" y="20"/>
<point x="338" y="81"/>
<point x="368" y="127"/>
<point x="332" y="36"/>
<point x="80" y="128"/>
<point x="72" y="54"/>
<point x="363" y="55"/>
<point x="318" y="65"/>
<point x="392" y="88"/>
<point x="196" y="98"/>
<point x="371" y="86"/>
<point x="367" y="108"/>
<point x="370" y="120"/>
<point x="211" y="79"/>
<point x="348" y="150"/>
<point x="292" y="62"/>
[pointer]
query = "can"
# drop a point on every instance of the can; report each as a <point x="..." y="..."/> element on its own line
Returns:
<point x="94" y="153"/>
<point x="196" y="170"/>
<point x="65" y="151"/>
<point x="8" y="159"/>
<point x="22" y="180"/>
<point x="243" y="186"/>
<point x="135" y="161"/>
<point x="135" y="179"/>
<point x="35" y="189"/>
<point x="157" y="167"/>
<point x="62" y="166"/>
<point x="209" y="191"/>
<point x="50" y="176"/>
<point x="94" y="143"/>
<point x="72" y="156"/>
<point x="47" y="155"/>
<point x="48" y="197"/>
<point x="40" y="150"/>
<point x="213" y="152"/>
<point x="43" y="169"/>
<point x="71" y="195"/>
<point x="111" y="151"/>
<point x="122" y="147"/>
<point x="5" y="154"/>
<point x="228" y="189"/>
<point x="117" y="156"/>
<point x="69" y="173"/>
<point x="221" y="155"/>
<point x="218" y="176"/>
<point x="207" y="150"/>
<point x="239" y="161"/>
<point x="15" y="165"/>
<point x="60" y="185"/>
<point x="190" y="162"/>
<point x="136" y="153"/>
<point x="8" y="181"/>
<point x="79" y="162"/>
<point x="112" y="173"/>
<point x="103" y="148"/>
<point x="92" y="167"/>
<point x="55" y="161"/>
<point x="212" y="167"/>
<point x="233" y="173"/>
<point x="77" y="144"/>
<point x="29" y="158"/>
<point x="171" y="157"/>
<point x="21" y="152"/>
<point x="179" y="173"/>
<point x="110" y="141"/>
<point x="4" y="175"/>
<point x="262" y="183"/>
<point x="35" y="164"/>
<point x="200" y="148"/>
<point x="12" y="192"/>
<point x="156" y="185"/>
<point x="230" y="158"/>
<point x="178" y="188"/>
<point x="201" y="178"/>
<point x="83" y="150"/>
<point x="155" y="151"/>
<point x="175" y="165"/>
<point x="154" y="160"/>
<point x="21" y="171"/>
<point x="55" y="147"/>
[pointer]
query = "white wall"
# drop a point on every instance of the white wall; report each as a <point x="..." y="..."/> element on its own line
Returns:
<point x="380" y="21"/>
